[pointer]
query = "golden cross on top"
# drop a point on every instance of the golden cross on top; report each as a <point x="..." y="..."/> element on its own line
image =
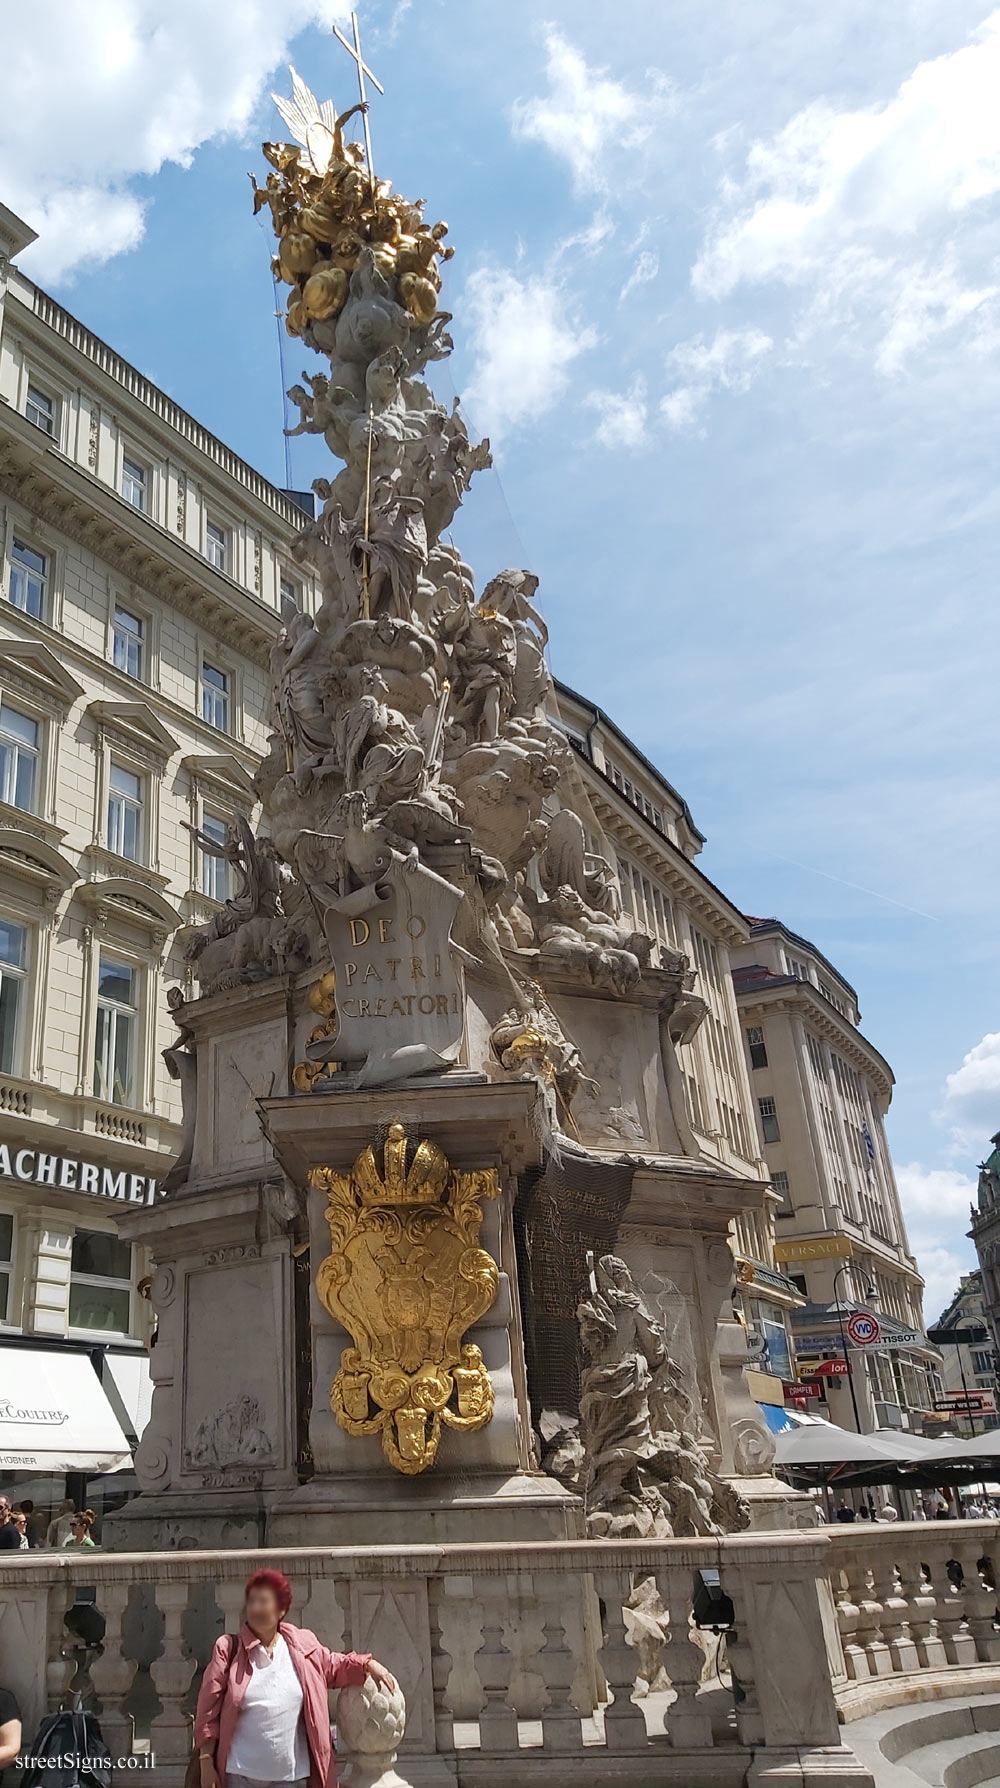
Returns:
<point x="354" y="51"/>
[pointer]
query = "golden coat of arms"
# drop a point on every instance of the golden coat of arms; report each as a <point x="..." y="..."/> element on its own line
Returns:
<point x="407" y="1278"/>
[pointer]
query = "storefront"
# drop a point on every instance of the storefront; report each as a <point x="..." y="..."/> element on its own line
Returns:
<point x="74" y="1330"/>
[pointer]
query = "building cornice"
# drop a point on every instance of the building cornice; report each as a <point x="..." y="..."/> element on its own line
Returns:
<point x="800" y="997"/>
<point x="664" y="859"/>
<point x="47" y="323"/>
<point x="138" y="548"/>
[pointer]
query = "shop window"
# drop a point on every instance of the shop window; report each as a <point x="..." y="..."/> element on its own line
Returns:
<point x="125" y="805"/>
<point x="18" y="758"/>
<point x="29" y="578"/>
<point x="115" y="1034"/>
<point x="100" y="1286"/>
<point x="13" y="979"/>
<point x="756" y="1046"/>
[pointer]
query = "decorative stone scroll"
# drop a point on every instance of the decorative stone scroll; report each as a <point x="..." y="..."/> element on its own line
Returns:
<point x="407" y="1278"/>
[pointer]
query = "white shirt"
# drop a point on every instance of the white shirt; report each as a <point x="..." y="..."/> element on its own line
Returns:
<point x="269" y="1743"/>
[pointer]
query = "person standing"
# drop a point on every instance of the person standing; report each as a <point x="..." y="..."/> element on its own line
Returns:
<point x="34" y="1524"/>
<point x="20" y="1520"/>
<point x="79" y="1533"/>
<point x="60" y="1527"/>
<point x="10" y="1539"/>
<point x="263" y="1715"/>
<point x="10" y="1729"/>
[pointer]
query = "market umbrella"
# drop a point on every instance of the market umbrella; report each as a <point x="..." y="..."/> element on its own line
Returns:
<point x="823" y="1443"/>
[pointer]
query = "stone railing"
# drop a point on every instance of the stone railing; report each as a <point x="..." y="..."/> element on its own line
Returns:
<point x="520" y="1662"/>
<point x="914" y="1599"/>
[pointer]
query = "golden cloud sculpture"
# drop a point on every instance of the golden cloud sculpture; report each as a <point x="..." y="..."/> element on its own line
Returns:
<point x="407" y="1278"/>
<point x="326" y="209"/>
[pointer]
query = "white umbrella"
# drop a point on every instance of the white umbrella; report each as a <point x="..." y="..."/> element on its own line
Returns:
<point x="823" y="1443"/>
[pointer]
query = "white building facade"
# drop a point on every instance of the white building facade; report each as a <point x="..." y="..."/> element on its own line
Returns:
<point x="141" y="573"/>
<point x="820" y="1092"/>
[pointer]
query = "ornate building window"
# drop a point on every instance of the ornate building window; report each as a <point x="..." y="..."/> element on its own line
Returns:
<point x="216" y="546"/>
<point x="125" y="813"/>
<point x="18" y="758"/>
<point x="29" y="577"/>
<point x="115" y="1034"/>
<point x="135" y="483"/>
<point x="769" y="1120"/>
<point x="13" y="981"/>
<point x="214" y="870"/>
<point x="40" y="409"/>
<point x="100" y="1286"/>
<point x="215" y="696"/>
<point x="128" y="649"/>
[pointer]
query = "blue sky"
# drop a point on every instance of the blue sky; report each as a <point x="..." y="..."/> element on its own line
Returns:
<point x="727" y="300"/>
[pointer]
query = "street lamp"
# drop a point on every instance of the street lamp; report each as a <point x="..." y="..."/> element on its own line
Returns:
<point x="870" y="1295"/>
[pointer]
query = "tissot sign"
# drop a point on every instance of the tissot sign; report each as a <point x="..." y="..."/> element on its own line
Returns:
<point x="67" y="1174"/>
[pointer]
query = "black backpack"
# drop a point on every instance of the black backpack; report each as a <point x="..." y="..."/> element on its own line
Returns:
<point x="74" y="1737"/>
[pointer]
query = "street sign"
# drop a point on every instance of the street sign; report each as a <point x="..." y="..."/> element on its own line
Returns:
<point x="974" y="1334"/>
<point x="967" y="1403"/>
<point x="820" y="1345"/>
<point x="863" y="1329"/>
<point x="802" y="1387"/>
<point x="898" y="1338"/>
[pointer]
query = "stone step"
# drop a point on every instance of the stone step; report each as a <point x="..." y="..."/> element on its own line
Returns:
<point x="952" y="1745"/>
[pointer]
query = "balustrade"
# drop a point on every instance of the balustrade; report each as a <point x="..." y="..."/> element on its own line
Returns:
<point x="521" y="1653"/>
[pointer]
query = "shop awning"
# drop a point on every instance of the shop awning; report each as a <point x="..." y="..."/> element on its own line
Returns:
<point x="54" y="1415"/>
<point x="130" y="1374"/>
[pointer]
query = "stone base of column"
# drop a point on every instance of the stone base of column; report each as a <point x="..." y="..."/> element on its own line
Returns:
<point x="830" y="1766"/>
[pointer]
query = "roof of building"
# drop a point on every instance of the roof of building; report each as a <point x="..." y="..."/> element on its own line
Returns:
<point x="760" y="927"/>
<point x="657" y="775"/>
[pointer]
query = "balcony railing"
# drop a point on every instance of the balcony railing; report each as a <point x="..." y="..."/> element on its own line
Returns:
<point x="526" y="1663"/>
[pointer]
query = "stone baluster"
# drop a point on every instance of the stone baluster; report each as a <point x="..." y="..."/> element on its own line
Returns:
<point x="959" y="1645"/>
<point x="980" y="1599"/>
<point x="895" y="1631"/>
<point x="689" y="1725"/>
<point x="170" y="1731"/>
<point x="497" y="1718"/>
<point x="444" y="1722"/>
<point x="742" y="1667"/>
<point x="868" y="1628"/>
<point x="370" y="1725"/>
<point x="848" y="1615"/>
<point x="112" y="1672"/>
<point x="918" y="1594"/>
<point x="624" y="1722"/>
<point x="60" y="1667"/>
<point x="561" y="1730"/>
<point x="229" y="1596"/>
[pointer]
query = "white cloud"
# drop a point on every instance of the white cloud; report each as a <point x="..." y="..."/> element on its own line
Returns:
<point x="647" y="267"/>
<point x="935" y="1204"/>
<point x="971" y="1105"/>
<point x="98" y="96"/>
<point x="587" y="118"/>
<point x="621" y="415"/>
<point x="877" y="215"/>
<point x="729" y="362"/>
<point x="524" y="339"/>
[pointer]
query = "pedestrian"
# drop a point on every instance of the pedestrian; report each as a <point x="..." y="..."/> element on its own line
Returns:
<point x="10" y="1729"/>
<point x="919" y="1512"/>
<point x="60" y="1527"/>
<point x="262" y="1715"/>
<point x="888" y="1512"/>
<point x="10" y="1539"/>
<point x="20" y="1520"/>
<point x="34" y="1528"/>
<point x="80" y="1534"/>
<point x="845" y="1511"/>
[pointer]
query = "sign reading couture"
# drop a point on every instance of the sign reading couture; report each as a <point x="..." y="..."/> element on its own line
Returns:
<point x="70" y="1175"/>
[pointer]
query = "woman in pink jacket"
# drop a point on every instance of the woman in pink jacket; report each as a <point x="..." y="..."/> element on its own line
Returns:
<point x="263" y="1715"/>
